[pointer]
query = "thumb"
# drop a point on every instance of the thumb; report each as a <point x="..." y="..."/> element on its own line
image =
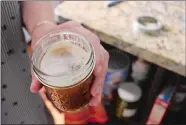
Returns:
<point x="58" y="117"/>
<point x="35" y="85"/>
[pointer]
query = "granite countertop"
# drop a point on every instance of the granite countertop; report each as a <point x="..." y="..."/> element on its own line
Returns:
<point x="114" y="26"/>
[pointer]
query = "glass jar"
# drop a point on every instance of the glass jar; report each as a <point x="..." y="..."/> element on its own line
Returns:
<point x="68" y="90"/>
<point x="129" y="95"/>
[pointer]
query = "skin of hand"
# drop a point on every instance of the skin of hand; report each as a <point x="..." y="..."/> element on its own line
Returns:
<point x="101" y="54"/>
<point x="58" y="117"/>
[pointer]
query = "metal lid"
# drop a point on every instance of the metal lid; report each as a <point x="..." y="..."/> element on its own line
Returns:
<point x="129" y="92"/>
<point x="147" y="24"/>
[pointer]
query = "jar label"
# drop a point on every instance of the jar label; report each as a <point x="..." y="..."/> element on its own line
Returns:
<point x="112" y="81"/>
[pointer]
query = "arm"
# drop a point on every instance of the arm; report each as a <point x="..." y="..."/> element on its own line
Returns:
<point x="35" y="12"/>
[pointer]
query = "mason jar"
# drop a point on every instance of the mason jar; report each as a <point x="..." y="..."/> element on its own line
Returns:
<point x="63" y="61"/>
<point x="129" y="95"/>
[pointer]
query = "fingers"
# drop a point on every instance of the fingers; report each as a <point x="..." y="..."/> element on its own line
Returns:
<point x="99" y="78"/>
<point x="96" y="90"/>
<point x="95" y="42"/>
<point x="94" y="39"/>
<point x="99" y="59"/>
<point x="48" y="104"/>
<point x="35" y="85"/>
<point x="58" y="117"/>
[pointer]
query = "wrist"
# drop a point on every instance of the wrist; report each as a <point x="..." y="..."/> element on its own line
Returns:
<point x="40" y="31"/>
<point x="41" y="23"/>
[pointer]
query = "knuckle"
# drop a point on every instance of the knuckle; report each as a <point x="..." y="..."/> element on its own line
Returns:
<point x="106" y="55"/>
<point x="95" y="37"/>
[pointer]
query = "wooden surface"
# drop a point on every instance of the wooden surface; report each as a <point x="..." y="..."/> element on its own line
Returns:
<point x="114" y="26"/>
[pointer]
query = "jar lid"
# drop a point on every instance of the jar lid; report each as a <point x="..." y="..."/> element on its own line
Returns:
<point x="147" y="24"/>
<point x="129" y="92"/>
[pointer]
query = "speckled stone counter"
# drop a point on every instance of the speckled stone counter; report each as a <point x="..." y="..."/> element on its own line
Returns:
<point x="114" y="26"/>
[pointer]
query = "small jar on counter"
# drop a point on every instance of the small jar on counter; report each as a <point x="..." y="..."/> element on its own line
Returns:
<point x="129" y="95"/>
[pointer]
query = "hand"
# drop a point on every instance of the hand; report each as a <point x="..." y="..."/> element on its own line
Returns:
<point x="101" y="54"/>
<point x="58" y="117"/>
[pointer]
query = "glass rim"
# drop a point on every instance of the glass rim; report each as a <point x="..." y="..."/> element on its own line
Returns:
<point x="92" y="53"/>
